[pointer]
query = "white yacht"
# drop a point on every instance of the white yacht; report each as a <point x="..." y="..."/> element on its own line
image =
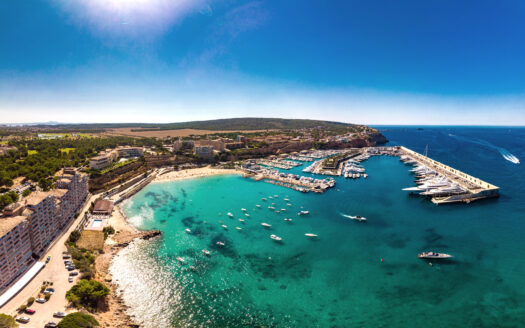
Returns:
<point x="230" y="214"/>
<point x="303" y="213"/>
<point x="243" y="209"/>
<point x="181" y="260"/>
<point x="220" y="243"/>
<point x="206" y="252"/>
<point x="238" y="228"/>
<point x="188" y="230"/>
<point x="433" y="255"/>
<point x="241" y="220"/>
<point x="266" y="225"/>
<point x="311" y="235"/>
<point x="274" y="237"/>
<point x="224" y="226"/>
<point x="287" y="219"/>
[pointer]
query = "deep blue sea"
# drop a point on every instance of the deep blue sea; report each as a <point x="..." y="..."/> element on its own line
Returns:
<point x="355" y="274"/>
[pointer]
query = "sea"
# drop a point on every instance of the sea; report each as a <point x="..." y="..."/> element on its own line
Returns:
<point x="353" y="274"/>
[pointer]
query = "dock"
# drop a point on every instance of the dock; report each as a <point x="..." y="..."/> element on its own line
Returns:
<point x="475" y="188"/>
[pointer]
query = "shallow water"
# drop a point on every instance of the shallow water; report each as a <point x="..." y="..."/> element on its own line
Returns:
<point x="339" y="279"/>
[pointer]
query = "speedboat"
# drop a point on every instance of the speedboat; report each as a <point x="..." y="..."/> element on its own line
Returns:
<point x="289" y="204"/>
<point x="220" y="243"/>
<point x="243" y="209"/>
<point x="274" y="237"/>
<point x="433" y="255"/>
<point x="259" y="206"/>
<point x="263" y="199"/>
<point x="271" y="207"/>
<point x="283" y="209"/>
<point x="241" y="220"/>
<point x="224" y="226"/>
<point x="188" y="230"/>
<point x="181" y="260"/>
<point x="311" y="235"/>
<point x="230" y="214"/>
<point x="275" y="196"/>
<point x="286" y="200"/>
<point x="264" y="224"/>
<point x="357" y="218"/>
<point x="246" y="214"/>
<point x="303" y="213"/>
<point x="238" y="228"/>
<point x="288" y="219"/>
<point x="206" y="252"/>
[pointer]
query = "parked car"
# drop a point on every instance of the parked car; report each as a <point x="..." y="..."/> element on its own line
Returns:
<point x="59" y="314"/>
<point x="23" y="319"/>
<point x="74" y="273"/>
<point x="66" y="257"/>
<point x="40" y="300"/>
<point x="51" y="324"/>
<point x="48" y="259"/>
<point x="70" y="268"/>
<point x="70" y="279"/>
<point x="29" y="311"/>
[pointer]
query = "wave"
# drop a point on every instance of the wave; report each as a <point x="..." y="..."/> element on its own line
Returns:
<point x="503" y="152"/>
<point x="348" y="216"/>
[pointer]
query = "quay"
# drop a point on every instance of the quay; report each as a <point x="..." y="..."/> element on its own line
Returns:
<point x="473" y="188"/>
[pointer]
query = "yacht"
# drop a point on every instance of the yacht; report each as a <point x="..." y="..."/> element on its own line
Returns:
<point x="274" y="237"/>
<point x="266" y="225"/>
<point x="238" y="228"/>
<point x="283" y="209"/>
<point x="263" y="199"/>
<point x="433" y="255"/>
<point x="289" y="204"/>
<point x="188" y="230"/>
<point x="241" y="220"/>
<point x="259" y="206"/>
<point x="246" y="214"/>
<point x="220" y="243"/>
<point x="303" y="213"/>
<point x="288" y="219"/>
<point x="224" y="226"/>
<point x="312" y="235"/>
<point x="286" y="200"/>
<point x="275" y="196"/>
<point x="206" y="252"/>
<point x="271" y="207"/>
<point x="243" y="209"/>
<point x="230" y="214"/>
<point x="181" y="260"/>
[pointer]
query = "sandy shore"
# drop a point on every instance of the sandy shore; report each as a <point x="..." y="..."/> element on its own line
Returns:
<point x="195" y="173"/>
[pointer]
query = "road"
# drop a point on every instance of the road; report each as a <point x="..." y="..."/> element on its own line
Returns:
<point x="54" y="271"/>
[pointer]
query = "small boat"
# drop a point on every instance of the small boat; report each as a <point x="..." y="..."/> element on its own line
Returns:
<point x="243" y="209"/>
<point x="283" y="209"/>
<point x="289" y="204"/>
<point x="224" y="226"/>
<point x="270" y="197"/>
<point x="311" y="235"/>
<point x="220" y="243"/>
<point x="263" y="199"/>
<point x="357" y="218"/>
<point x="206" y="252"/>
<point x="271" y="207"/>
<point x="275" y="196"/>
<point x="181" y="260"/>
<point x="241" y="220"/>
<point x="188" y="230"/>
<point x="277" y="211"/>
<point x="259" y="206"/>
<point x="230" y="214"/>
<point x="246" y="214"/>
<point x="286" y="200"/>
<point x="303" y="213"/>
<point x="433" y="255"/>
<point x="264" y="224"/>
<point x="238" y="228"/>
<point x="274" y="237"/>
<point x="288" y="219"/>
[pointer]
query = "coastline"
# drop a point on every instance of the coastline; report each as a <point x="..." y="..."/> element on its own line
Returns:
<point x="114" y="315"/>
<point x="194" y="173"/>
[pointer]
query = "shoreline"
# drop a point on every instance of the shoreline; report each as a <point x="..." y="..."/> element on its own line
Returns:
<point x="114" y="314"/>
<point x="200" y="172"/>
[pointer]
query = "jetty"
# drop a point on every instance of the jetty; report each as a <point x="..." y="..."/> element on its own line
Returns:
<point x="470" y="188"/>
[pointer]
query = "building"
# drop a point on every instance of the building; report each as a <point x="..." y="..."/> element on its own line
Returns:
<point x="15" y="249"/>
<point x="234" y="145"/>
<point x="28" y="227"/>
<point x="240" y="138"/>
<point x="216" y="144"/>
<point x="103" y="207"/>
<point x="101" y="161"/>
<point x="205" y="152"/>
<point x="130" y="152"/>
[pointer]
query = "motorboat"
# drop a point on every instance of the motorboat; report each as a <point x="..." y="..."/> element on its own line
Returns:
<point x="241" y="220"/>
<point x="206" y="252"/>
<point x="433" y="256"/>
<point x="303" y="213"/>
<point x="224" y="226"/>
<point x="266" y="225"/>
<point x="283" y="209"/>
<point x="274" y="237"/>
<point x="188" y="230"/>
<point x="287" y="219"/>
<point x="181" y="260"/>
<point x="271" y="207"/>
<point x="246" y="214"/>
<point x="243" y="209"/>
<point x="258" y="206"/>
<point x="238" y="228"/>
<point x="311" y="235"/>
<point x="230" y="214"/>
<point x="220" y="243"/>
<point x="263" y="199"/>
<point x="357" y="218"/>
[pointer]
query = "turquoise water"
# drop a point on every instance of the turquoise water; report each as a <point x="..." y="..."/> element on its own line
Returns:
<point x="337" y="280"/>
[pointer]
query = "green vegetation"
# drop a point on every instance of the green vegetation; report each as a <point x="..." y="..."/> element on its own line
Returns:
<point x="74" y="236"/>
<point x="30" y="301"/>
<point x="21" y="308"/>
<point x="38" y="160"/>
<point x="83" y="259"/>
<point x="117" y="165"/>
<point x="87" y="293"/>
<point x="8" y="198"/>
<point x="7" y="321"/>
<point x="26" y="192"/>
<point x="109" y="230"/>
<point x="78" y="320"/>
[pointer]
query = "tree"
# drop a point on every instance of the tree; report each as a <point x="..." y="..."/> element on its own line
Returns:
<point x="74" y="236"/>
<point x="87" y="293"/>
<point x="78" y="320"/>
<point x="7" y="321"/>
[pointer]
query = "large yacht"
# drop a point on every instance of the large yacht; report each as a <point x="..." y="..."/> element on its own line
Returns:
<point x="433" y="255"/>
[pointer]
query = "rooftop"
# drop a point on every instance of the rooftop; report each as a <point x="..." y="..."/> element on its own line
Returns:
<point x="7" y="224"/>
<point x="103" y="205"/>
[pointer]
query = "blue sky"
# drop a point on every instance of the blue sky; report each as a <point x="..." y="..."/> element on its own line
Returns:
<point x="372" y="62"/>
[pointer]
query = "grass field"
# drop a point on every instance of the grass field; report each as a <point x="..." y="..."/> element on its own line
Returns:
<point x="66" y="150"/>
<point x="32" y="152"/>
<point x="91" y="239"/>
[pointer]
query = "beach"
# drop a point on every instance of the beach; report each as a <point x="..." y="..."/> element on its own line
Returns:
<point x="194" y="173"/>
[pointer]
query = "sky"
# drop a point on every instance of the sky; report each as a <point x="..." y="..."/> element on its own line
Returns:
<point x="434" y="62"/>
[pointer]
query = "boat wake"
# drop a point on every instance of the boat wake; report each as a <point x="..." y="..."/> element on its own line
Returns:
<point x="503" y="152"/>
<point x="347" y="216"/>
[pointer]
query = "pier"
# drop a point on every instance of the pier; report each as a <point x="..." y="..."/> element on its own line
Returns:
<point x="475" y="188"/>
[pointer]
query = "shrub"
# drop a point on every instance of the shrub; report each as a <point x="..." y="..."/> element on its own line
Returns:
<point x="47" y="297"/>
<point x="74" y="236"/>
<point x="109" y="230"/>
<point x="30" y="301"/>
<point x="7" y="321"/>
<point x="87" y="293"/>
<point x="21" y="308"/>
<point x="78" y="320"/>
